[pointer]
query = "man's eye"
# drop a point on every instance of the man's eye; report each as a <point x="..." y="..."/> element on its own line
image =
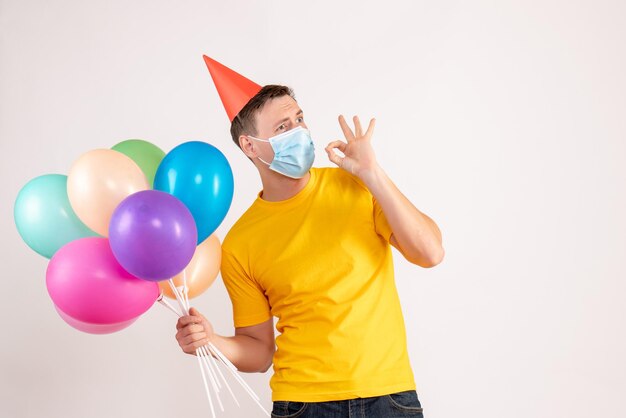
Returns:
<point x="281" y="127"/>
<point x="300" y="119"/>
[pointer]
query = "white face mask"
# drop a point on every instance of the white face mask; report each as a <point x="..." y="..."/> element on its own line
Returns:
<point x="294" y="152"/>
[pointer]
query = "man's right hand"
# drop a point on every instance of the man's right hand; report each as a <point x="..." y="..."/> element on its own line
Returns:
<point x="194" y="331"/>
<point x="251" y="349"/>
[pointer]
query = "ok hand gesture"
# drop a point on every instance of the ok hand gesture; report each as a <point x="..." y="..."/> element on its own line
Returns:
<point x="359" y="157"/>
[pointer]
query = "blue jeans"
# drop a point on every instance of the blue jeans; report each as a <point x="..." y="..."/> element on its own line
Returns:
<point x="395" y="405"/>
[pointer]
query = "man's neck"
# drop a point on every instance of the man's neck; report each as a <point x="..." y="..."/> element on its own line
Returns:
<point x="277" y="187"/>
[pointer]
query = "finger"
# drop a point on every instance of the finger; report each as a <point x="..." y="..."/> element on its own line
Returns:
<point x="197" y="344"/>
<point x="199" y="336"/>
<point x="347" y="132"/>
<point x="188" y="350"/>
<point x="337" y="144"/>
<point x="370" y="128"/>
<point x="182" y="334"/>
<point x="334" y="157"/>
<point x="358" y="132"/>
<point x="195" y="312"/>
<point x="179" y="324"/>
<point x="183" y="321"/>
<point x="330" y="150"/>
<point x="192" y="328"/>
<point x="184" y="341"/>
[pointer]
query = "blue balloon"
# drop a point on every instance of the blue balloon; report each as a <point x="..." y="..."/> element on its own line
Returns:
<point x="44" y="217"/>
<point x="199" y="175"/>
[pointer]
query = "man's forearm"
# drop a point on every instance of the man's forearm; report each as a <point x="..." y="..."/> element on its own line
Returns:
<point x="417" y="235"/>
<point x="246" y="353"/>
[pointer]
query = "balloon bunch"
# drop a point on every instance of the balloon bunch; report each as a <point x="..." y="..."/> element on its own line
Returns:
<point x="124" y="228"/>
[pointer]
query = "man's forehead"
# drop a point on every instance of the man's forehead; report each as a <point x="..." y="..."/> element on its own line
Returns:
<point x="284" y="116"/>
<point x="283" y="104"/>
<point x="277" y="110"/>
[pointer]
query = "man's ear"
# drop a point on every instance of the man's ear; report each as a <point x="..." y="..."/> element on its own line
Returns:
<point x="247" y="146"/>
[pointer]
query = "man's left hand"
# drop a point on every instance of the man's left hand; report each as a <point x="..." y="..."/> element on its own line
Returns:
<point x="359" y="157"/>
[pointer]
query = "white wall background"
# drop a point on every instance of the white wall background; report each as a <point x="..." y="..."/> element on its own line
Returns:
<point x="505" y="121"/>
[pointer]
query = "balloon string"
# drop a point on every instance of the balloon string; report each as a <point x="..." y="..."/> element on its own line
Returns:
<point x="206" y="387"/>
<point x="212" y="376"/>
<point x="181" y="294"/>
<point x="210" y="366"/>
<point x="165" y="303"/>
<point x="185" y="308"/>
<point x="233" y="371"/>
<point x="178" y="297"/>
<point x="185" y="288"/>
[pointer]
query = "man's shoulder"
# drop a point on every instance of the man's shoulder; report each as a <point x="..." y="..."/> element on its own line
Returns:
<point x="240" y="229"/>
<point x="337" y="174"/>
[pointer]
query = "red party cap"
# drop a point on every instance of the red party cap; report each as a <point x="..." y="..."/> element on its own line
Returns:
<point x="234" y="89"/>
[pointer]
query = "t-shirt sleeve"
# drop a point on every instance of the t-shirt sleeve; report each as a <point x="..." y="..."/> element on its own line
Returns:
<point x="250" y="305"/>
<point x="380" y="221"/>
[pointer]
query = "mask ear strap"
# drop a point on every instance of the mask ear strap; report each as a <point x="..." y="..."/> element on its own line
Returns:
<point x="258" y="139"/>
<point x="262" y="140"/>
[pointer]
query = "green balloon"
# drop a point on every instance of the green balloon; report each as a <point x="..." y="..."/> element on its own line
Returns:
<point x="147" y="155"/>
<point x="44" y="217"/>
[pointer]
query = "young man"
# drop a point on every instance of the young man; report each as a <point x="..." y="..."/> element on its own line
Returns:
<point x="314" y="250"/>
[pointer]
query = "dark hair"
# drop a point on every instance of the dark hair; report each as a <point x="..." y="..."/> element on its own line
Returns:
<point x="245" y="121"/>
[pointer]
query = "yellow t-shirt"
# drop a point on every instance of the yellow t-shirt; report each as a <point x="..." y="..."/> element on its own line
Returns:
<point x="321" y="262"/>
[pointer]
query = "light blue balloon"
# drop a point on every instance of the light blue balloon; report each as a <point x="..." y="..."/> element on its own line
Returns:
<point x="199" y="175"/>
<point x="44" y="217"/>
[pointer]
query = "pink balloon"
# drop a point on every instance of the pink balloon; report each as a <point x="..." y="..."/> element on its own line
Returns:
<point x="87" y="283"/>
<point x="93" y="328"/>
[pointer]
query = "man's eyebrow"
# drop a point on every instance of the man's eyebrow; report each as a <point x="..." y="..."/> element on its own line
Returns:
<point x="287" y="118"/>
